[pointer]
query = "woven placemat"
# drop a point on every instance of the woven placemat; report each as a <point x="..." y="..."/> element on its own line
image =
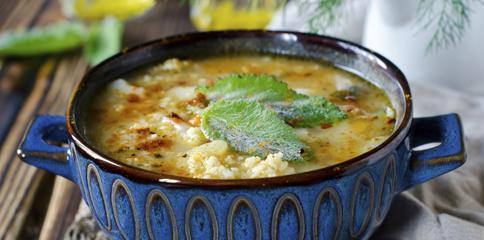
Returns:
<point x="84" y="226"/>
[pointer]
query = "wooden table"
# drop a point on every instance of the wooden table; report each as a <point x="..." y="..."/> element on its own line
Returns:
<point x="35" y="204"/>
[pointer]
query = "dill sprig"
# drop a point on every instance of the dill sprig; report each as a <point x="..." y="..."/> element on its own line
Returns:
<point x="324" y="13"/>
<point x="448" y="19"/>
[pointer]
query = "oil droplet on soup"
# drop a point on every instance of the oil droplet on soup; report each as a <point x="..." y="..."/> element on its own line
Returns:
<point x="151" y="118"/>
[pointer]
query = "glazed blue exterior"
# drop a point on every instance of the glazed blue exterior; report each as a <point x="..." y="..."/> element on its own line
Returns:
<point x="350" y="206"/>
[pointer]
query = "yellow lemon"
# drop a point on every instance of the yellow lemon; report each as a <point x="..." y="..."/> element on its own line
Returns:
<point x="221" y="15"/>
<point x="121" y="9"/>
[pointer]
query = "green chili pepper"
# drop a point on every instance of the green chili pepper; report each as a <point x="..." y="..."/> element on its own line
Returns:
<point x="51" y="39"/>
<point x="104" y="40"/>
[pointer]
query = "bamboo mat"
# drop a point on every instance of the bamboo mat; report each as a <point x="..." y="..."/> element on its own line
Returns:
<point x="35" y="204"/>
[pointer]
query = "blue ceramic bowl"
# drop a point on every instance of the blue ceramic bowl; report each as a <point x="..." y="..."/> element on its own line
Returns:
<point x="345" y="201"/>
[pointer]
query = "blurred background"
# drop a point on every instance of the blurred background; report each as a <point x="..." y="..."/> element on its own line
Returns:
<point x="47" y="45"/>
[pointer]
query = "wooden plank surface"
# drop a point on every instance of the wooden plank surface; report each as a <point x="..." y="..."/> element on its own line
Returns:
<point x="43" y="85"/>
<point x="23" y="84"/>
<point x="62" y="209"/>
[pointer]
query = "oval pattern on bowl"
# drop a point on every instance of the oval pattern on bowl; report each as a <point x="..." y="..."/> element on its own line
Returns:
<point x="288" y="210"/>
<point x="200" y="219"/>
<point x="96" y="197"/>
<point x="327" y="215"/>
<point x="125" y="217"/>
<point x="160" y="218"/>
<point x="362" y="204"/>
<point x="243" y="220"/>
<point x="82" y="185"/>
<point x="386" y="189"/>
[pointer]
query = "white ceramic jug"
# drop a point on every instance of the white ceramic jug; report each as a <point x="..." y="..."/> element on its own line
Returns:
<point x="391" y="30"/>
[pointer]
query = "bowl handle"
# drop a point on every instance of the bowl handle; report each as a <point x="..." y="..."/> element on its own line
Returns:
<point x="432" y="162"/>
<point x="45" y="145"/>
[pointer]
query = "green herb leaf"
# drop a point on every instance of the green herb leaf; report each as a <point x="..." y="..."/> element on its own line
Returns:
<point x="253" y="87"/>
<point x="104" y="40"/>
<point x="51" y="39"/>
<point x="251" y="128"/>
<point x="296" y="109"/>
<point x="308" y="111"/>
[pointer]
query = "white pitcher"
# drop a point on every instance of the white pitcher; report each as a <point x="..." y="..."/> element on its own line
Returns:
<point x="391" y="30"/>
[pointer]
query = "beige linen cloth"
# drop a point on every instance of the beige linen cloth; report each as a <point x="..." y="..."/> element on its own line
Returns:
<point x="450" y="207"/>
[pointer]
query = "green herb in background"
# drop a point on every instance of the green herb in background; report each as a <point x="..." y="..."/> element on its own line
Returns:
<point x="296" y="109"/>
<point x="447" y="19"/>
<point x="251" y="128"/>
<point x="55" y="38"/>
<point x="325" y="13"/>
<point x="100" y="41"/>
<point x="104" y="40"/>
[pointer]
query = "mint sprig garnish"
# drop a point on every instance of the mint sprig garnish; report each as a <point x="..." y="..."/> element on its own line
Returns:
<point x="254" y="114"/>
<point x="247" y="86"/>
<point x="249" y="127"/>
<point x="308" y="111"/>
<point x="296" y="109"/>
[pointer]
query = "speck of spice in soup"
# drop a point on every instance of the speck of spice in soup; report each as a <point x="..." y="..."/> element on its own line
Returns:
<point x="151" y="118"/>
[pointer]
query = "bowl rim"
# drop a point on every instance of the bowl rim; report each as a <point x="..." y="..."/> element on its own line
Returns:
<point x="330" y="172"/>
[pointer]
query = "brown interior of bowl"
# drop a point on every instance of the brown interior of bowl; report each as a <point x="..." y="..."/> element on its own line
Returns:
<point x="348" y="56"/>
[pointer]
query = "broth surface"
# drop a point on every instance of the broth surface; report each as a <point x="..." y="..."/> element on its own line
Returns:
<point x="150" y="119"/>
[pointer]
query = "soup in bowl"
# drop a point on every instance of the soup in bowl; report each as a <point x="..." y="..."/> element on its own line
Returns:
<point x="152" y="119"/>
<point x="243" y="134"/>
